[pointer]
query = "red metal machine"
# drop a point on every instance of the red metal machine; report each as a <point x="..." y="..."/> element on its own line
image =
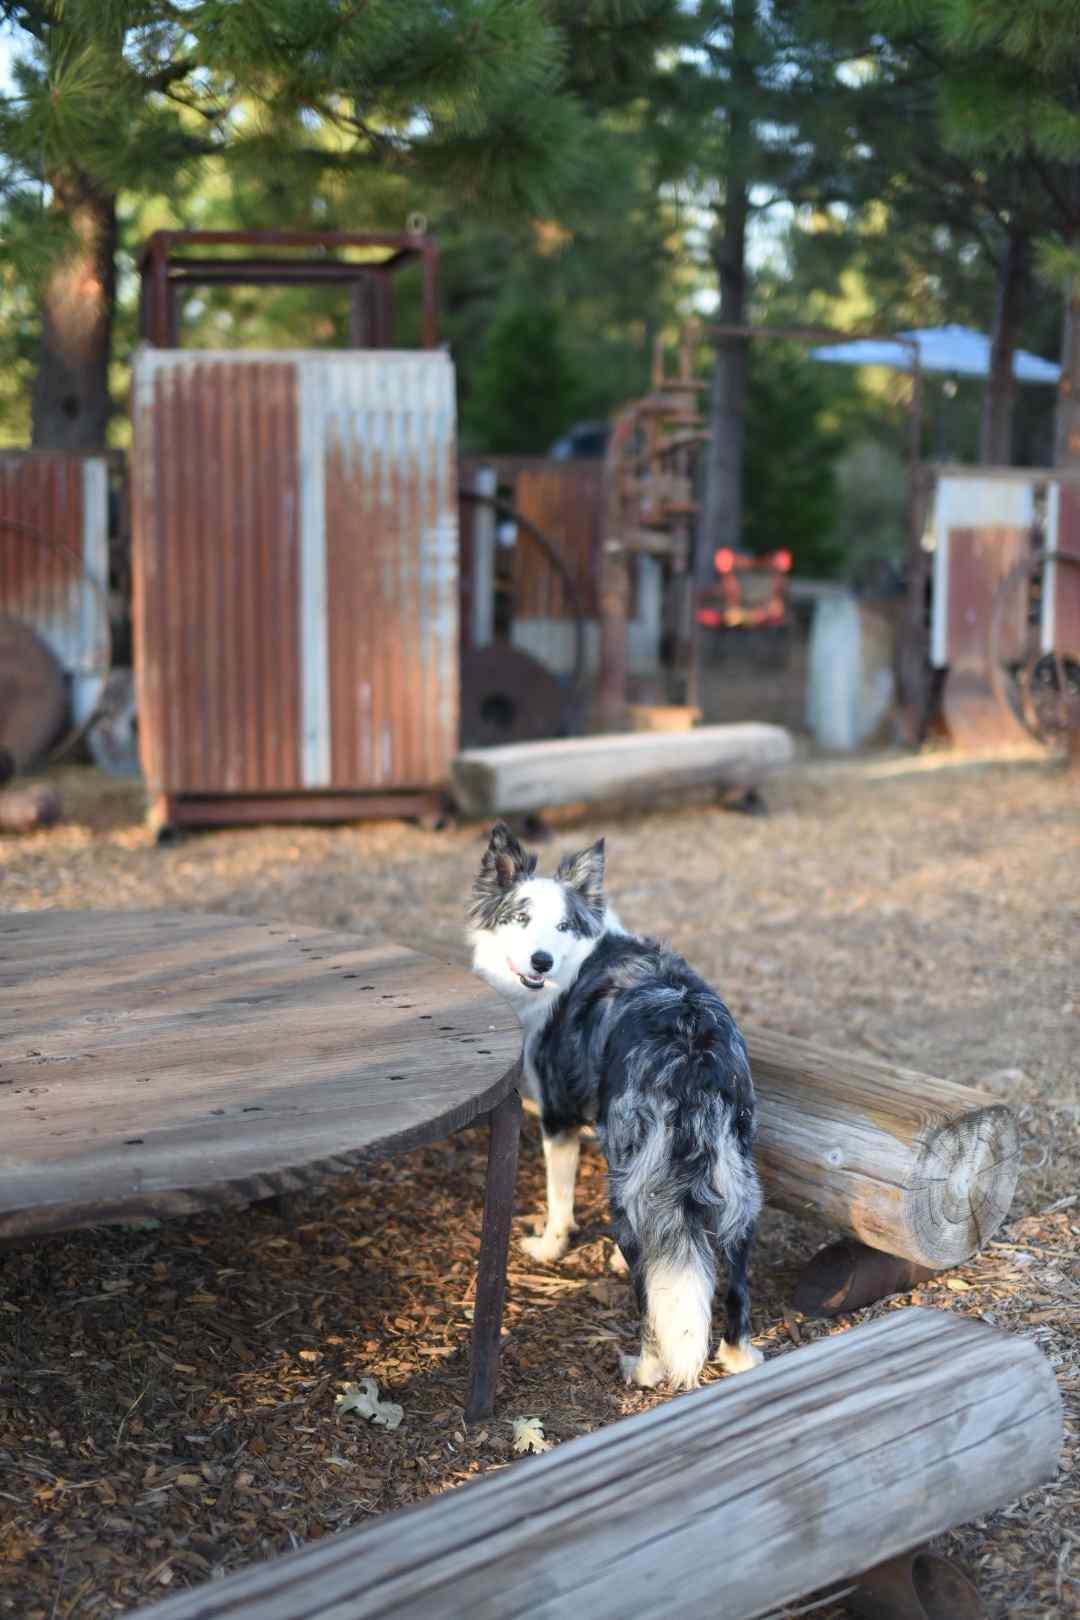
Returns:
<point x="750" y="594"/>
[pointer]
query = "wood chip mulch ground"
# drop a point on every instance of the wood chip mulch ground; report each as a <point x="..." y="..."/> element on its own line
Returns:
<point x="167" y="1392"/>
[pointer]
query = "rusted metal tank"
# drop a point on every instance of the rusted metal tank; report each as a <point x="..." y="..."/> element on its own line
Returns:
<point x="294" y="521"/>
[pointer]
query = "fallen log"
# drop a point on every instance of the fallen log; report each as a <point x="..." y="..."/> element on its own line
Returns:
<point x="920" y="1167"/>
<point x="534" y="776"/>
<point x="735" y="1500"/>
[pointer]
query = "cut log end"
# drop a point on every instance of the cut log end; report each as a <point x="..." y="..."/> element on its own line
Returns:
<point x="963" y="1185"/>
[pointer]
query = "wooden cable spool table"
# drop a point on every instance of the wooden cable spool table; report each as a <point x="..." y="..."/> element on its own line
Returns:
<point x="162" y="1063"/>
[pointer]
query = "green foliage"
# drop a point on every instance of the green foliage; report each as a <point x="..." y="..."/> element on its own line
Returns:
<point x="790" y="494"/>
<point x="870" y="524"/>
<point x="524" y="389"/>
<point x="327" y="114"/>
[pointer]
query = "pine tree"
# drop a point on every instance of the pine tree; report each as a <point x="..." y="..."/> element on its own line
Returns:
<point x="757" y="132"/>
<point x="992" y="146"/>
<point x="1022" y="99"/>
<point x="476" y="100"/>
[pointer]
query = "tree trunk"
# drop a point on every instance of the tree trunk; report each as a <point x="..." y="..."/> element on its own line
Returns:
<point x="995" y="434"/>
<point x="1067" y="434"/>
<point x="722" y="519"/>
<point x="71" y="389"/>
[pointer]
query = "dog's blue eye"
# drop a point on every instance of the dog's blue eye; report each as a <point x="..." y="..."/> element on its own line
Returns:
<point x="563" y="928"/>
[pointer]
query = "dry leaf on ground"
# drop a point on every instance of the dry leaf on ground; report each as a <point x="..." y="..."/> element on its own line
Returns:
<point x="364" y="1399"/>
<point x="529" y="1436"/>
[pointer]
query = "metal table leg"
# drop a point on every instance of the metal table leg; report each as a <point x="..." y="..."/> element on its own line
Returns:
<point x="505" y="1121"/>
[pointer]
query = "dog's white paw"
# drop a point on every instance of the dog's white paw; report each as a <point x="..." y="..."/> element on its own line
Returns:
<point x="540" y="1226"/>
<point x="546" y="1249"/>
<point x="737" y="1358"/>
<point x="617" y="1263"/>
<point x="644" y="1371"/>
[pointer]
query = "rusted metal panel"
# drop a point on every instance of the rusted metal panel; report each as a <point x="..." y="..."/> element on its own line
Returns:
<point x="980" y="527"/>
<point x="979" y="560"/>
<point x="216" y="556"/>
<point x="295" y="542"/>
<point x="386" y="444"/>
<point x="564" y="501"/>
<point x="1060" y="607"/>
<point x="54" y="560"/>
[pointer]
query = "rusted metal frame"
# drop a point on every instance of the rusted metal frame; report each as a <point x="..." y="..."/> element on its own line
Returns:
<point x="162" y="242"/>
<point x="505" y="1132"/>
<point x="614" y="588"/>
<point x="159" y="322"/>
<point x="331" y="805"/>
<point x="429" y="249"/>
<point x="283" y="271"/>
<point x="157" y="329"/>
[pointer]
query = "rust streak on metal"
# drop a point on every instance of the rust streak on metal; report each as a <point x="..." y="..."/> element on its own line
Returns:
<point x="215" y="519"/>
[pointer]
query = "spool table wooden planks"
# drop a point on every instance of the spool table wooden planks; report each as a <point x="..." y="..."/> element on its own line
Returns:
<point x="732" y="1501"/>
<point x="161" y="1063"/>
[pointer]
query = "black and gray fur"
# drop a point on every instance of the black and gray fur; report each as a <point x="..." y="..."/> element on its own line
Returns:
<point x="639" y="1045"/>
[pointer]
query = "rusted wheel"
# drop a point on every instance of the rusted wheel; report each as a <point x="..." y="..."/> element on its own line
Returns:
<point x="48" y="592"/>
<point x="1033" y="647"/>
<point x="33" y="700"/>
<point x="507" y="696"/>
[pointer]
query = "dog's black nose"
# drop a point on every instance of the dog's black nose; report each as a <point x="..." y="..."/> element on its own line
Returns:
<point x="541" y="961"/>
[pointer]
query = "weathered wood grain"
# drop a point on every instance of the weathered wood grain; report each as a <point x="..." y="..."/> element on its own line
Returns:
<point x="732" y="1501"/>
<point x="531" y="776"/>
<point x="918" y="1166"/>
<point x="159" y="1063"/>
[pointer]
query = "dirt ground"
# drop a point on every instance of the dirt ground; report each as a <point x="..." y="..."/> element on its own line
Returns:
<point x="167" y="1392"/>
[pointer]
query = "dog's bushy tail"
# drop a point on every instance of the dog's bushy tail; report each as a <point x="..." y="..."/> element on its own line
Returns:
<point x="684" y="1188"/>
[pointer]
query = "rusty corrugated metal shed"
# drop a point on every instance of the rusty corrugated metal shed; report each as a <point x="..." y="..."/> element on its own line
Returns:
<point x="296" y="596"/>
<point x="54" y="560"/>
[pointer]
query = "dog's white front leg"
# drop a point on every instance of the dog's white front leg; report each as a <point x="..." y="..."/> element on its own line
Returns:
<point x="561" y="1158"/>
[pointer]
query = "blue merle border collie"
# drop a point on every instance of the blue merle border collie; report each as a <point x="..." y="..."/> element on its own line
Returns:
<point x="621" y="1034"/>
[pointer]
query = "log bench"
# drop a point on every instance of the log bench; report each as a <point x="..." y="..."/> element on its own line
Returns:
<point x="526" y="777"/>
<point x="731" y="1501"/>
<point x="918" y="1172"/>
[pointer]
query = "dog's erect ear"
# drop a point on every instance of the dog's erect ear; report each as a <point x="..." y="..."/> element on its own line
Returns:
<point x="584" y="873"/>
<point x="505" y="862"/>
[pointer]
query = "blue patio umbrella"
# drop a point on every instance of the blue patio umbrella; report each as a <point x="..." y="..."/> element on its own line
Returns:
<point x="956" y="349"/>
